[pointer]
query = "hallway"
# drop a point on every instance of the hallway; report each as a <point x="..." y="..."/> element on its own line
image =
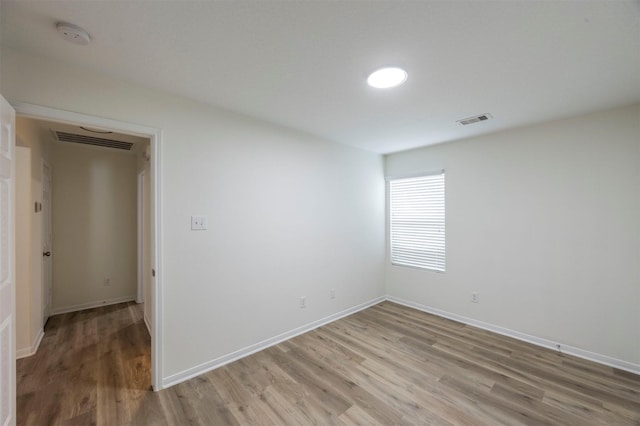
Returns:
<point x="97" y="368"/>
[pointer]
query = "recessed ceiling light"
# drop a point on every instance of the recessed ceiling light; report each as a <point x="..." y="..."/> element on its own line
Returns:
<point x="73" y="33"/>
<point x="386" y="78"/>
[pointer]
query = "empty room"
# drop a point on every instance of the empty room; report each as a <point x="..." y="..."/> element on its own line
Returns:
<point x="335" y="212"/>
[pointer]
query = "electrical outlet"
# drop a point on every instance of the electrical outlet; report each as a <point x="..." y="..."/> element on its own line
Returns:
<point x="332" y="294"/>
<point x="475" y="297"/>
<point x="107" y="282"/>
<point x="198" y="223"/>
<point x="303" y="302"/>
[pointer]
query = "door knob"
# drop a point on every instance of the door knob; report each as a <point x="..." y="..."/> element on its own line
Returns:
<point x="46" y="253"/>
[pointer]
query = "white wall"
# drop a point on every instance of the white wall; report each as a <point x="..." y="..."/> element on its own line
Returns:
<point x="289" y="215"/>
<point x="29" y="235"/>
<point x="24" y="260"/>
<point x="543" y="222"/>
<point x="94" y="225"/>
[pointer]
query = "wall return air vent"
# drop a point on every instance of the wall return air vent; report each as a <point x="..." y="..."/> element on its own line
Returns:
<point x="92" y="140"/>
<point x="474" y="119"/>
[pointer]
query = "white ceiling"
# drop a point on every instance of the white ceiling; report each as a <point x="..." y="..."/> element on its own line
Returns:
<point x="303" y="64"/>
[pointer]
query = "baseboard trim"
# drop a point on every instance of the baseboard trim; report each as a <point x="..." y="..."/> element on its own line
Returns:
<point x="31" y="350"/>
<point x="567" y="349"/>
<point x="190" y="373"/>
<point x="91" y="305"/>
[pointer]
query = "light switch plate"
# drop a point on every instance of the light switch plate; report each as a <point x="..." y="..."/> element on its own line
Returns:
<point x="198" y="223"/>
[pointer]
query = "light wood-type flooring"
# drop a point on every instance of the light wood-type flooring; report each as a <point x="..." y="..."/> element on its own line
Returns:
<point x="385" y="365"/>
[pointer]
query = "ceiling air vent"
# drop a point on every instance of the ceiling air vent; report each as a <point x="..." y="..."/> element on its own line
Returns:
<point x="92" y="140"/>
<point x="475" y="119"/>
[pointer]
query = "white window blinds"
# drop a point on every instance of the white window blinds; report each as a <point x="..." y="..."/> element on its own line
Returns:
<point x="416" y="207"/>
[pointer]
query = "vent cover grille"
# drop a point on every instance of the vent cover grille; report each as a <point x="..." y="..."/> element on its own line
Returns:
<point x="92" y="140"/>
<point x="474" y="119"/>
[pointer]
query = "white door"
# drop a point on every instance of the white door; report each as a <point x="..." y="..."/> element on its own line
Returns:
<point x="46" y="244"/>
<point x="7" y="266"/>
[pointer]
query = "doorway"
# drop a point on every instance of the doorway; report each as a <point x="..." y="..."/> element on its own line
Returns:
<point x="154" y="138"/>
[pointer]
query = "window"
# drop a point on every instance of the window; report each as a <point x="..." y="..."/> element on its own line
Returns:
<point x="416" y="209"/>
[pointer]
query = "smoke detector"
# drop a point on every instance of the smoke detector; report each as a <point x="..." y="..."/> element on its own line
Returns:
<point x="73" y="33"/>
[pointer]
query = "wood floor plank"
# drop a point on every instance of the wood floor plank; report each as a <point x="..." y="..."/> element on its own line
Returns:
<point x="343" y="386"/>
<point x="355" y="416"/>
<point x="386" y="365"/>
<point x="203" y="404"/>
<point x="305" y="373"/>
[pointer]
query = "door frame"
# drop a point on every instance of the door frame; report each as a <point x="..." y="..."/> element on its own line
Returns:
<point x="155" y="135"/>
<point x="45" y="227"/>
